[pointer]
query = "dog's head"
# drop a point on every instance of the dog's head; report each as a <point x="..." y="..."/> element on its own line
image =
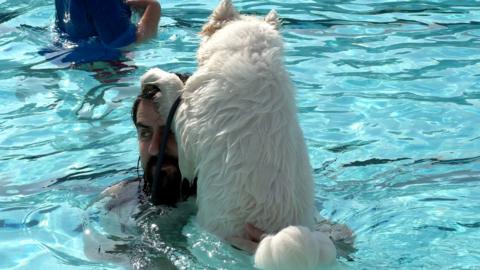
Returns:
<point x="224" y="15"/>
<point x="169" y="84"/>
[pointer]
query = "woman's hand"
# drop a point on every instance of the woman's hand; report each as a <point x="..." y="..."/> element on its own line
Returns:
<point x="254" y="234"/>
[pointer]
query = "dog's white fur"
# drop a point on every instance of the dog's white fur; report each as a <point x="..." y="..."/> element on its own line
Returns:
<point x="237" y="131"/>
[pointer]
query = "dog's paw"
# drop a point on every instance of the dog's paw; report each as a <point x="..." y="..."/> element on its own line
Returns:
<point x="295" y="247"/>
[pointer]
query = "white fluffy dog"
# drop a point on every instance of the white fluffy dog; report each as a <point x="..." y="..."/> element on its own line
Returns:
<point x="237" y="131"/>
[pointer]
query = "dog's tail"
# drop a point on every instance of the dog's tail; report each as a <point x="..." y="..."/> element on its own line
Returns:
<point x="295" y="247"/>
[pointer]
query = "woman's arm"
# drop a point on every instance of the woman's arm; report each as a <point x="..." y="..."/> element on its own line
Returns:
<point x="148" y="24"/>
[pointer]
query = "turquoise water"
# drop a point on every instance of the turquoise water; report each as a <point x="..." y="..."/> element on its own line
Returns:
<point x="388" y="98"/>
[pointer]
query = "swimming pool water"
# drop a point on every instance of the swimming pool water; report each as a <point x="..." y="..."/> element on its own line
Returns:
<point x="388" y="99"/>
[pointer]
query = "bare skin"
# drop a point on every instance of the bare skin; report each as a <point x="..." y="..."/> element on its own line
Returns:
<point x="148" y="24"/>
<point x="150" y="127"/>
<point x="254" y="234"/>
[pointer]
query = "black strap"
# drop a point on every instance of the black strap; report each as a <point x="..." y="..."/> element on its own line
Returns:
<point x="156" y="186"/>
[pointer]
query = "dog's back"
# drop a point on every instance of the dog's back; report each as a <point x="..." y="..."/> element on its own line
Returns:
<point x="238" y="132"/>
<point x="244" y="136"/>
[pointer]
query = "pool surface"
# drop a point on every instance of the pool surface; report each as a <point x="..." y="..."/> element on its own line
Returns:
<point x="388" y="96"/>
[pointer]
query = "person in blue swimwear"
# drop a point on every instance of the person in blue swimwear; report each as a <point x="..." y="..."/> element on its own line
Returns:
<point x="98" y="30"/>
<point x="109" y="20"/>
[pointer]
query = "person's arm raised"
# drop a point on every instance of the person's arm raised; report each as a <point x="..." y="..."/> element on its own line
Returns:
<point x="148" y="24"/>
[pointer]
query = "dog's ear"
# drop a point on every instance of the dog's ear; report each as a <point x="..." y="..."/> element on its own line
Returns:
<point x="272" y="19"/>
<point x="169" y="85"/>
<point x="224" y="13"/>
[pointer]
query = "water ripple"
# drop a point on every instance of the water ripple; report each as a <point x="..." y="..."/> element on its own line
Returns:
<point x="460" y="100"/>
<point x="349" y="146"/>
<point x="373" y="161"/>
<point x="65" y="258"/>
<point x="8" y="15"/>
<point x="470" y="225"/>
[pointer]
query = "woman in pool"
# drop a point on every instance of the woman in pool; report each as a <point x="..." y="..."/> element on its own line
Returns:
<point x="109" y="20"/>
<point x="97" y="30"/>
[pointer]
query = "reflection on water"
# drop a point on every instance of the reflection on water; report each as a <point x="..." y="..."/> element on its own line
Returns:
<point x="388" y="95"/>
